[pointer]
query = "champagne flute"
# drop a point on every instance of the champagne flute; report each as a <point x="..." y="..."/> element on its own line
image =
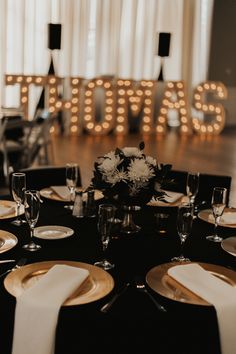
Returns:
<point x="184" y="226"/>
<point x="32" y="206"/>
<point x="192" y="186"/>
<point x="218" y="204"/>
<point x="106" y="213"/>
<point x="71" y="181"/>
<point x="18" y="186"/>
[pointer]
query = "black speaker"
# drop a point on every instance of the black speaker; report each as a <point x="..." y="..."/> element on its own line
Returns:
<point x="164" y="44"/>
<point x="54" y="36"/>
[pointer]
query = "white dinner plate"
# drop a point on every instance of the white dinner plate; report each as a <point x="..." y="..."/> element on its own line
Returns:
<point x="229" y="245"/>
<point x="53" y="232"/>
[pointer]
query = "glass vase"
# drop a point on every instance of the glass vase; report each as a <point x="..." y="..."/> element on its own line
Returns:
<point x="128" y="225"/>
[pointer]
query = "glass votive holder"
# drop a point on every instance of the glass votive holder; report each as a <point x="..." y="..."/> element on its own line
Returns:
<point x="161" y="222"/>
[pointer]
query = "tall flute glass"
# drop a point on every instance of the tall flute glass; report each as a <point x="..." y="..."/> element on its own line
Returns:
<point x="106" y="214"/>
<point x="184" y="227"/>
<point x="71" y="181"/>
<point x="192" y="186"/>
<point x="218" y="204"/>
<point x="18" y="186"/>
<point x="32" y="207"/>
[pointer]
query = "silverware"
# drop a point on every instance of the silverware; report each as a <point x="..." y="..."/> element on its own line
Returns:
<point x="105" y="308"/>
<point x="7" y="261"/>
<point x="142" y="287"/>
<point x="19" y="264"/>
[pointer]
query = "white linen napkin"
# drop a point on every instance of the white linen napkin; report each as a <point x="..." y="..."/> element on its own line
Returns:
<point x="6" y="210"/>
<point x="215" y="291"/>
<point x="38" y="307"/>
<point x="228" y="218"/>
<point x="170" y="198"/>
<point x="62" y="191"/>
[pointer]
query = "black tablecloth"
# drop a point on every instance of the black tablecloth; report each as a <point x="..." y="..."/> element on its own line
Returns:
<point x="133" y="325"/>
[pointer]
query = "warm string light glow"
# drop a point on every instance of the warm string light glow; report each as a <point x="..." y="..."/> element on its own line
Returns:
<point x="174" y="99"/>
<point x="123" y="96"/>
<point x="107" y="123"/>
<point x="217" y="110"/>
<point x="137" y="96"/>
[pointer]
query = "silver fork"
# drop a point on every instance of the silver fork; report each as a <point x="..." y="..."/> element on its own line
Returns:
<point x="142" y="287"/>
<point x="19" y="264"/>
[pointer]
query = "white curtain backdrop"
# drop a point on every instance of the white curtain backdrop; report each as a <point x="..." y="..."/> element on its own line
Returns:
<point x="99" y="37"/>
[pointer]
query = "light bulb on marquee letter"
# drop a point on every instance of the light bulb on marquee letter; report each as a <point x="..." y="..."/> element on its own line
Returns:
<point x="107" y="124"/>
<point x="216" y="125"/>
<point x="137" y="96"/>
<point x="174" y="98"/>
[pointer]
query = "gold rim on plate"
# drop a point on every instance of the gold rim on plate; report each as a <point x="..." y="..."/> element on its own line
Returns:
<point x="158" y="280"/>
<point x="96" y="286"/>
<point x="53" y="232"/>
<point x="229" y="245"/>
<point x="12" y="209"/>
<point x="8" y="241"/>
<point x="206" y="215"/>
<point x="48" y="193"/>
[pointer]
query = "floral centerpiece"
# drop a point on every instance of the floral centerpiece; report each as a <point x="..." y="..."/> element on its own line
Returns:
<point x="129" y="176"/>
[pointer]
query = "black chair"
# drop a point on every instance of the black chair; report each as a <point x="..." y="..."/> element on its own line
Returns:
<point x="207" y="182"/>
<point x="46" y="176"/>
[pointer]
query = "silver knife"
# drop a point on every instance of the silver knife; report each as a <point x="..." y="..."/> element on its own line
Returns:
<point x="108" y="305"/>
<point x="19" y="264"/>
<point x="7" y="261"/>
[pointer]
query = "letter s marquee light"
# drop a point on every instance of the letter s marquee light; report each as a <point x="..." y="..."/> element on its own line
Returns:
<point x="216" y="125"/>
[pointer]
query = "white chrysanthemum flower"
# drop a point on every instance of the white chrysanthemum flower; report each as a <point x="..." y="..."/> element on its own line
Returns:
<point x="109" y="164"/>
<point x="139" y="170"/>
<point x="116" y="177"/>
<point x="132" y="151"/>
<point x="151" y="160"/>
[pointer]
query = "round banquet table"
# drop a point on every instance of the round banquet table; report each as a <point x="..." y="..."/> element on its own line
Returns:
<point x="133" y="324"/>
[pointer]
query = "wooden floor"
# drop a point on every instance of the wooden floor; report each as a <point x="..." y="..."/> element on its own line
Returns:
<point x="214" y="155"/>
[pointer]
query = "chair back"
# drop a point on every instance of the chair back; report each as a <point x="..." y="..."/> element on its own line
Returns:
<point x="46" y="176"/>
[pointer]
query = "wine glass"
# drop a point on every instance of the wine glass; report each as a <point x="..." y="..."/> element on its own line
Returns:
<point x="184" y="226"/>
<point x="106" y="213"/>
<point x="32" y="206"/>
<point x="71" y="181"/>
<point x="192" y="186"/>
<point x="218" y="204"/>
<point x="18" y="186"/>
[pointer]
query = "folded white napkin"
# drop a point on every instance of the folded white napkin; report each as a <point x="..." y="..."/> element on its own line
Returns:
<point x="6" y="210"/>
<point x="62" y="191"/>
<point x="170" y="198"/>
<point x="227" y="218"/>
<point x="38" y="307"/>
<point x="215" y="291"/>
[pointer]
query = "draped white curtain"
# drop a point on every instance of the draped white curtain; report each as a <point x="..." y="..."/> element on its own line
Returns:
<point x="99" y="37"/>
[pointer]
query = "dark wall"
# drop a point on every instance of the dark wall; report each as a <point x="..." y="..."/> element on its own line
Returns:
<point x="222" y="64"/>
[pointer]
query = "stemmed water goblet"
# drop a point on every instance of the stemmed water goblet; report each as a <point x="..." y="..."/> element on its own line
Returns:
<point x="192" y="186"/>
<point x="218" y="204"/>
<point x="184" y="226"/>
<point x="32" y="207"/>
<point x="106" y="214"/>
<point x="18" y="186"/>
<point x="71" y="181"/>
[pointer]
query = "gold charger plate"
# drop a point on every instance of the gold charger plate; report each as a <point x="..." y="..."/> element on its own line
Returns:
<point x="206" y="215"/>
<point x="229" y="245"/>
<point x="159" y="281"/>
<point x="97" y="285"/>
<point x="12" y="207"/>
<point x="48" y="193"/>
<point x="7" y="241"/>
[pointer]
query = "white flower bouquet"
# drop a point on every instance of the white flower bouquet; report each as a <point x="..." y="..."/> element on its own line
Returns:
<point x="129" y="176"/>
